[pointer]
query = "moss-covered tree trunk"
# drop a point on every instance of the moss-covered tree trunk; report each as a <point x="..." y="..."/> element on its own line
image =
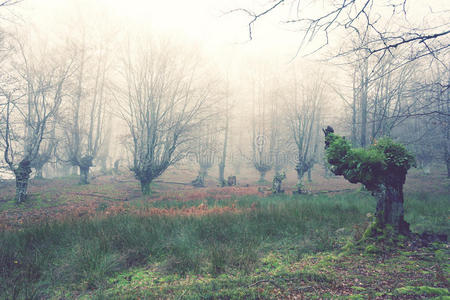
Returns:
<point x="390" y="211"/>
<point x="22" y="174"/>
<point x="300" y="185"/>
<point x="277" y="183"/>
<point x="381" y="169"/>
<point x="301" y="168"/>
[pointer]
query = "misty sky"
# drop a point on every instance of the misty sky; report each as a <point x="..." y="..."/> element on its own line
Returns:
<point x="204" y="23"/>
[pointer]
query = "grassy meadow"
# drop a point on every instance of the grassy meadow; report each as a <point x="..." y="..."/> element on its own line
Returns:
<point x="216" y="245"/>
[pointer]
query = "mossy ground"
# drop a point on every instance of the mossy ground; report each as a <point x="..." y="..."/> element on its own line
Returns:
<point x="353" y="275"/>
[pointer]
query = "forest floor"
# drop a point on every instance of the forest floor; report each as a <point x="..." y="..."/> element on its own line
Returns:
<point x="105" y="240"/>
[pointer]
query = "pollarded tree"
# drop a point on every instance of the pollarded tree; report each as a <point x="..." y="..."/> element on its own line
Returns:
<point x="46" y="152"/>
<point x="30" y="96"/>
<point x="205" y="153"/>
<point x="381" y="169"/>
<point x="304" y="120"/>
<point x="163" y="104"/>
<point x="85" y="114"/>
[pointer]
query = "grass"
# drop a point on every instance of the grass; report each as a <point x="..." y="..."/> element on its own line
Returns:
<point x="428" y="212"/>
<point x="251" y="254"/>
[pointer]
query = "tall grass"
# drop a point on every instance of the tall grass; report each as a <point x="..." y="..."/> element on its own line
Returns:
<point x="428" y="212"/>
<point x="84" y="253"/>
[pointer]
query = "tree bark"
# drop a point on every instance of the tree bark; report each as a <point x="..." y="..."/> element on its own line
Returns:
<point x="390" y="209"/>
<point x="448" y="166"/>
<point x="364" y="95"/>
<point x="300" y="174"/>
<point x="145" y="187"/>
<point x="222" y="174"/>
<point x="200" y="180"/>
<point x="224" y="152"/>
<point x="447" y="156"/>
<point x="84" y="175"/>
<point x="22" y="174"/>
<point x="277" y="183"/>
<point x="262" y="176"/>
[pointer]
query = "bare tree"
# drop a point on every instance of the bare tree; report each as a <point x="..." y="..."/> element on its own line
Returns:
<point x="31" y="96"/>
<point x="436" y="110"/>
<point x="163" y="103"/>
<point x="46" y="152"/>
<point x="205" y="151"/>
<point x="305" y="104"/>
<point x="262" y="142"/>
<point x="85" y="115"/>
<point x="386" y="22"/>
<point x="226" y="130"/>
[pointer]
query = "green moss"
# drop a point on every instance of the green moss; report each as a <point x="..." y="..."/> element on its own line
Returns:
<point x="367" y="166"/>
<point x="349" y="246"/>
<point x="356" y="297"/>
<point x="373" y="230"/>
<point x="421" y="290"/>
<point x="372" y="249"/>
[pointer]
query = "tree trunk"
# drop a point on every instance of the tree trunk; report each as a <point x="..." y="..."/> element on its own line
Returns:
<point x="277" y="182"/>
<point x="224" y="152"/>
<point x="116" y="166"/>
<point x="145" y="187"/>
<point x="327" y="173"/>
<point x="22" y="174"/>
<point x="276" y="186"/>
<point x="448" y="166"/>
<point x="200" y="180"/>
<point x="364" y="95"/>
<point x="447" y="158"/>
<point x="84" y="175"/>
<point x="390" y="206"/>
<point x="309" y="175"/>
<point x="300" y="186"/>
<point x="356" y="94"/>
<point x="103" y="167"/>
<point x="222" y="174"/>
<point x="262" y="176"/>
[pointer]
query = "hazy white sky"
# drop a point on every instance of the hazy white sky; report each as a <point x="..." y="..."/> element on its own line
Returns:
<point x="223" y="37"/>
<point x="202" y="22"/>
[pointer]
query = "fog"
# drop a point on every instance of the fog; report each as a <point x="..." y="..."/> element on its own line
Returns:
<point x="234" y="149"/>
<point x="148" y="85"/>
